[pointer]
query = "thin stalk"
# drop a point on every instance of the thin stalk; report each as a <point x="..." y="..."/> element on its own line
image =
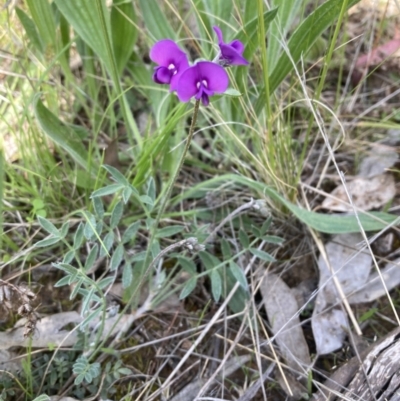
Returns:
<point x="168" y="193"/>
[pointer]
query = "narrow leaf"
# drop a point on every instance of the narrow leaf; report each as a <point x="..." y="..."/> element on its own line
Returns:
<point x="59" y="133"/>
<point x="169" y="231"/>
<point x="30" y="29"/>
<point x="91" y="21"/>
<point x="239" y="275"/>
<point x="116" y="258"/>
<point x="124" y="32"/>
<point x="117" y="175"/>
<point x="48" y="226"/>
<point x="47" y="242"/>
<point x="262" y="255"/>
<point x="116" y="215"/>
<point x="153" y="15"/>
<point x="188" y="288"/>
<point x="130" y="232"/>
<point x="108" y="190"/>
<point x="216" y="285"/>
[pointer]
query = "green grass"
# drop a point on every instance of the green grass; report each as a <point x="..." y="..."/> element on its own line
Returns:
<point x="68" y="121"/>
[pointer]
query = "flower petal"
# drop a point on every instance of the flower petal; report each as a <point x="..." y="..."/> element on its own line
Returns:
<point x="218" y="31"/>
<point x="186" y="85"/>
<point x="237" y="45"/>
<point x="166" y="52"/>
<point x="162" y="75"/>
<point x="232" y="56"/>
<point x="216" y="77"/>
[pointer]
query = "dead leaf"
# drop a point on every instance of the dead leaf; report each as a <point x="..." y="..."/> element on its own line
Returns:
<point x="9" y="361"/>
<point x="192" y="390"/>
<point x="49" y="330"/>
<point x="377" y="163"/>
<point x="282" y="310"/>
<point x="352" y="268"/>
<point x="367" y="193"/>
<point x="378" y="55"/>
<point x="374" y="288"/>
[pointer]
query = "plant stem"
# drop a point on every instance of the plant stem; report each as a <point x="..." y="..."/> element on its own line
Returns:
<point x="166" y="197"/>
<point x="177" y="171"/>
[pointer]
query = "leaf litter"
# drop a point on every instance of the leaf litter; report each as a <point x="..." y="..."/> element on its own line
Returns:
<point x="351" y="268"/>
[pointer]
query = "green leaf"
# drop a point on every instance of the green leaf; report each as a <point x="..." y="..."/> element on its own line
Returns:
<point x="108" y="190"/>
<point x="107" y="243"/>
<point x="117" y="175"/>
<point x="64" y="229"/>
<point x="127" y="275"/>
<point x="151" y="189"/>
<point x="116" y="214"/>
<point x="91" y="258"/>
<point x="188" y="288"/>
<point x="244" y="239"/>
<point x="226" y="249"/>
<point x="105" y="282"/>
<point x="262" y="255"/>
<point x="67" y="268"/>
<point x="49" y="227"/>
<point x="42" y="397"/>
<point x="78" y="236"/>
<point x="87" y="300"/>
<point x="216" y="285"/>
<point x="248" y="34"/>
<point x="126" y="194"/>
<point x="130" y="232"/>
<point x="209" y="261"/>
<point x="89" y="229"/>
<point x="326" y="223"/>
<point x="98" y="206"/>
<point x="232" y="92"/>
<point x="30" y="29"/>
<point x="146" y="200"/>
<point x="64" y="137"/>
<point x="238" y="274"/>
<point x="187" y="265"/>
<point x="123" y="30"/>
<point x="69" y="256"/>
<point x="47" y="242"/>
<point x="91" y="21"/>
<point x="287" y="11"/>
<point x="116" y="258"/>
<point x="169" y="231"/>
<point x="63" y="281"/>
<point x="273" y="239"/>
<point x="301" y="41"/>
<point x="155" y="21"/>
<point x="43" y="17"/>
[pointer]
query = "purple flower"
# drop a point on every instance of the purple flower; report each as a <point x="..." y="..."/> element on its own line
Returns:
<point x="202" y="80"/>
<point x="231" y="53"/>
<point x="172" y="62"/>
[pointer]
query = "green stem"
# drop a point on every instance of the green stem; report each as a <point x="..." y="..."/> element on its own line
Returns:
<point x="178" y="169"/>
<point x="166" y="197"/>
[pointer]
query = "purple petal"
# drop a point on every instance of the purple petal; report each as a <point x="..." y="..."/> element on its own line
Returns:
<point x="218" y="31"/>
<point x="216" y="77"/>
<point x="237" y="45"/>
<point x="231" y="55"/>
<point x="186" y="85"/>
<point x="166" y="52"/>
<point x="181" y="66"/>
<point x="162" y="75"/>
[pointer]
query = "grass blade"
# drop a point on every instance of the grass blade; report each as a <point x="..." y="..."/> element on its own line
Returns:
<point x="300" y="42"/>
<point x="62" y="135"/>
<point x="124" y="32"/>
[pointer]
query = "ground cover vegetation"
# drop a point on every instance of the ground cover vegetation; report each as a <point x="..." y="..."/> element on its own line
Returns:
<point x="199" y="199"/>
